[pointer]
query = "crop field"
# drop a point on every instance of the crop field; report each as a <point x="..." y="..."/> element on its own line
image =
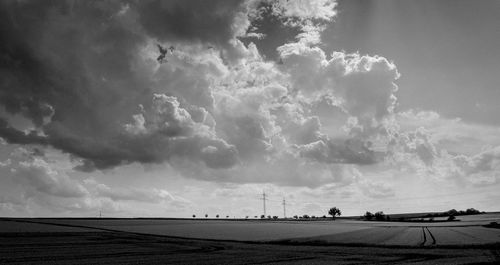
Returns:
<point x="222" y="230"/>
<point x="155" y="241"/>
<point x="458" y="233"/>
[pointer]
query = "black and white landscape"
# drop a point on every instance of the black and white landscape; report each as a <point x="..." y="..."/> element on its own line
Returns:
<point x="249" y="132"/>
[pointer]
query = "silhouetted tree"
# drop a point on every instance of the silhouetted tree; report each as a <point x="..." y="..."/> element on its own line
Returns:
<point x="305" y="216"/>
<point x="368" y="216"/>
<point x="452" y="212"/>
<point x="472" y="211"/>
<point x="262" y="216"/>
<point x="334" y="211"/>
<point x="275" y="217"/>
<point x="380" y="216"/>
<point x="217" y="216"/>
<point x="206" y="215"/>
<point x="194" y="216"/>
<point x="295" y="217"/>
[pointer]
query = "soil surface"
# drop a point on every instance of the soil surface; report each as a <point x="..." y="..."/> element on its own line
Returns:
<point x="30" y="241"/>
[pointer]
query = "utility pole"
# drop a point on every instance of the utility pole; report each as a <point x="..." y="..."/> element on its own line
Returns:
<point x="264" y="201"/>
<point x="284" y="208"/>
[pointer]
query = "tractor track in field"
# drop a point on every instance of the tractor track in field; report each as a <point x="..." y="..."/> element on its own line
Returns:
<point x="424" y="242"/>
<point x="432" y="236"/>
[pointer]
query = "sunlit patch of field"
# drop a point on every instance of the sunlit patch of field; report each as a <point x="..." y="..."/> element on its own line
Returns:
<point x="220" y="230"/>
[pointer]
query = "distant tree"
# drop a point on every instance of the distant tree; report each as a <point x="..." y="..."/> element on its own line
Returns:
<point x="227" y="216"/>
<point x="194" y="215"/>
<point x="388" y="218"/>
<point x="324" y="216"/>
<point x="217" y="216"/>
<point x="368" y="216"/>
<point x="268" y="217"/>
<point x="295" y="217"/>
<point x="313" y="216"/>
<point x="452" y="212"/>
<point x="275" y="217"/>
<point x="451" y="218"/>
<point x="256" y="217"/>
<point x="262" y="216"/>
<point x="472" y="211"/>
<point x="305" y="216"/>
<point x="334" y="211"/>
<point x="246" y="217"/>
<point x="380" y="216"/>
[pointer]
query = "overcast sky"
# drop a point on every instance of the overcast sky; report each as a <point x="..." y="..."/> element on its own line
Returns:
<point x="363" y="105"/>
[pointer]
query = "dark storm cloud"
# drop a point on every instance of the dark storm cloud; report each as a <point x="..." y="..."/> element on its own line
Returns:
<point x="192" y="20"/>
<point x="72" y="69"/>
<point x="85" y="74"/>
<point x="12" y="135"/>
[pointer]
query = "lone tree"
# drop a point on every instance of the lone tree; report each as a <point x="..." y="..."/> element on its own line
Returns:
<point x="379" y="216"/>
<point x="368" y="216"/>
<point x="334" y="212"/>
<point x="194" y="215"/>
<point x="206" y="215"/>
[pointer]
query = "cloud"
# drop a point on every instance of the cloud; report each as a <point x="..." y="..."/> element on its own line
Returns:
<point x="377" y="189"/>
<point x="363" y="85"/>
<point x="217" y="109"/>
<point x="153" y="195"/>
<point x="37" y="184"/>
<point x="39" y="177"/>
<point x="331" y="151"/>
<point x="81" y="76"/>
<point x="301" y="9"/>
<point x="100" y="95"/>
<point x="12" y="135"/>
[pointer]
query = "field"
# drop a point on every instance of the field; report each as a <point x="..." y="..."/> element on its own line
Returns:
<point x="150" y="241"/>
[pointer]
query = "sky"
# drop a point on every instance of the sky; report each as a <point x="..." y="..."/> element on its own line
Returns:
<point x="363" y="105"/>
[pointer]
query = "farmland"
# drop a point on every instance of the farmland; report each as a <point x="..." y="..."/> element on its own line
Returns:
<point x="188" y="241"/>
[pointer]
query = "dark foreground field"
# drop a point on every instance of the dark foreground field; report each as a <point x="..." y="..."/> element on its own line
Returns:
<point x="30" y="242"/>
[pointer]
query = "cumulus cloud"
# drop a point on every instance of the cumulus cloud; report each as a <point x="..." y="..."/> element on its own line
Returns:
<point x="301" y="9"/>
<point x="34" y="183"/>
<point x="329" y="151"/>
<point x="377" y="189"/>
<point x="89" y="81"/>
<point x="216" y="108"/>
<point x="84" y="76"/>
<point x="38" y="176"/>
